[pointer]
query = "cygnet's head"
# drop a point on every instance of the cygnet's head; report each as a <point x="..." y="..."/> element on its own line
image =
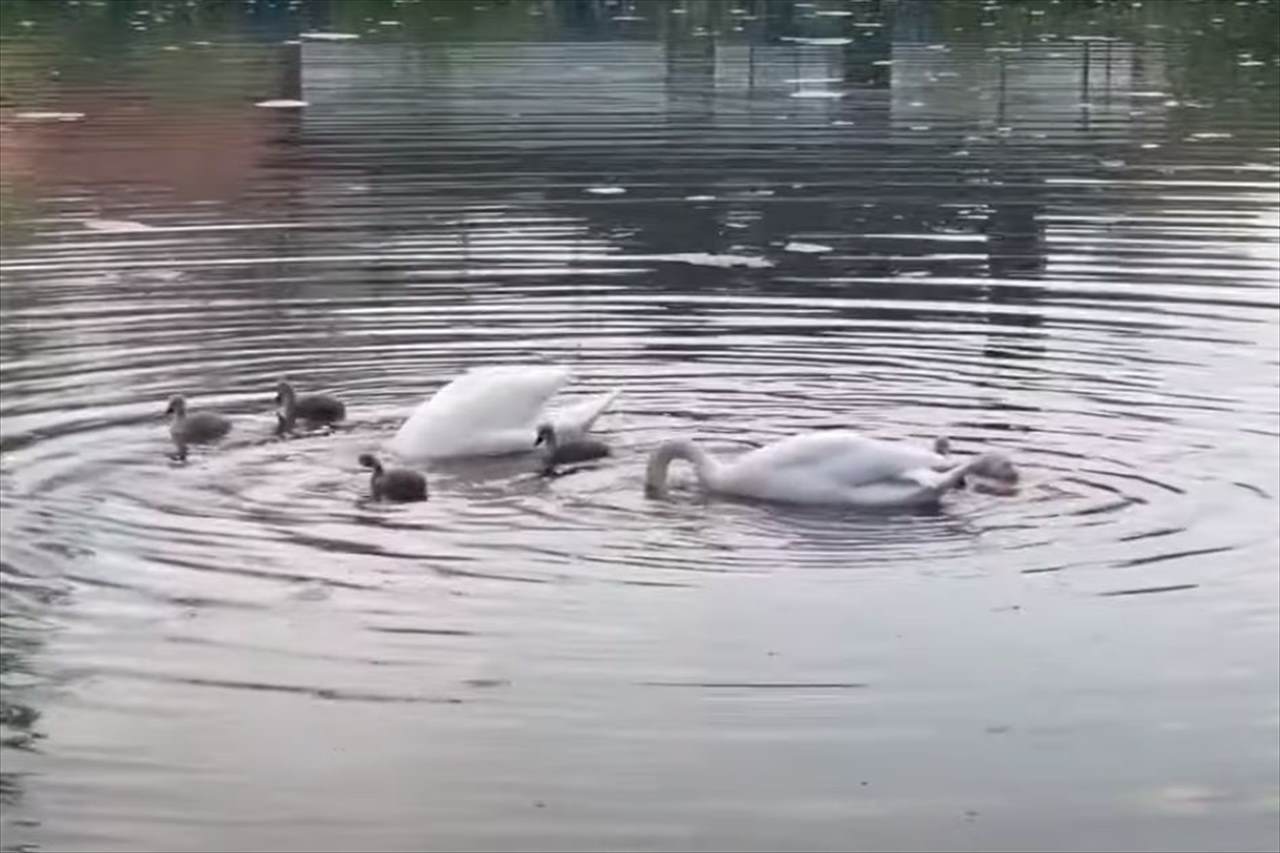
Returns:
<point x="177" y="406"/>
<point x="942" y="445"/>
<point x="284" y="391"/>
<point x="995" y="466"/>
<point x="368" y="460"/>
<point x="546" y="433"/>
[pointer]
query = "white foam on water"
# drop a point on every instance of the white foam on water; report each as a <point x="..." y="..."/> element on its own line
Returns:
<point x="806" y="248"/>
<point x="116" y="226"/>
<point x="318" y="36"/>
<point x="48" y="115"/>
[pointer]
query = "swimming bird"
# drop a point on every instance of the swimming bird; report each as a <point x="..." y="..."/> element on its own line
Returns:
<point x="396" y="484"/>
<point x="315" y="409"/>
<point x="837" y="467"/>
<point x="581" y="449"/>
<point x="193" y="428"/>
<point x="492" y="411"/>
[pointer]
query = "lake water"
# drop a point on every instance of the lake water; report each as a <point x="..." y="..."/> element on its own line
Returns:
<point x="1044" y="227"/>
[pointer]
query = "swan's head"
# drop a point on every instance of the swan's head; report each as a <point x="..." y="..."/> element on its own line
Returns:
<point x="546" y="434"/>
<point x="942" y="445"/>
<point x="368" y="460"/>
<point x="284" y="393"/>
<point x="177" y="406"/>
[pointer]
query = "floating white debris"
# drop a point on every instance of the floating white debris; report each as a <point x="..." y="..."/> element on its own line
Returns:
<point x="281" y="104"/>
<point x="47" y="115"/>
<point x="841" y="123"/>
<point x="1210" y="135"/>
<point x="606" y="190"/>
<point x="817" y="93"/>
<point x="834" y="13"/>
<point x="705" y="259"/>
<point x="699" y="198"/>
<point x="388" y="23"/>
<point x="171" y="47"/>
<point x="317" y="36"/>
<point x="806" y="248"/>
<point x="883" y="62"/>
<point x="818" y="41"/>
<point x="116" y="226"/>
<point x="1150" y="145"/>
<point x="627" y="18"/>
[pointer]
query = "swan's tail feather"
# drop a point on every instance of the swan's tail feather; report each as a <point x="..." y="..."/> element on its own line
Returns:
<point x="578" y="418"/>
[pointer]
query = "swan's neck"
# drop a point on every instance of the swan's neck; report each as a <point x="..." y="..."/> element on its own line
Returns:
<point x="655" y="480"/>
<point x="288" y="405"/>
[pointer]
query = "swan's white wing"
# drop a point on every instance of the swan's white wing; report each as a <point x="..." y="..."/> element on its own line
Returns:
<point x="574" y="420"/>
<point x="839" y="455"/>
<point x="486" y="411"/>
<point x="509" y="394"/>
<point x="835" y="466"/>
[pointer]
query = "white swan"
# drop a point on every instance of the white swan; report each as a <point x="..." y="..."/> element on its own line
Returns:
<point x="830" y="467"/>
<point x="492" y="411"/>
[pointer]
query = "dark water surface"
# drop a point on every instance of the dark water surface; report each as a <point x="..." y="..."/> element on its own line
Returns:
<point x="1048" y="227"/>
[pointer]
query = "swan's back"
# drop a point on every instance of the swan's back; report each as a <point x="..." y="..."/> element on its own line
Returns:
<point x="487" y="410"/>
<point x="833" y="466"/>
